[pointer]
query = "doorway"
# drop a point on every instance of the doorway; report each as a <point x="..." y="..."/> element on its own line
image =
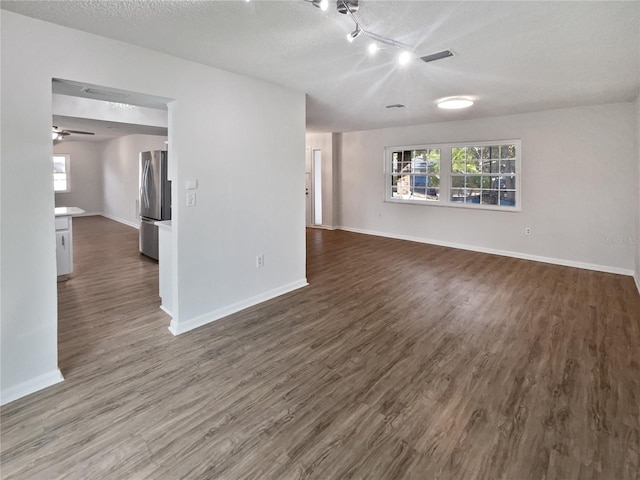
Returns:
<point x="102" y="130"/>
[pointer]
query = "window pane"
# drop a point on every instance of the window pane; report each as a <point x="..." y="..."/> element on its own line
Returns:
<point x="458" y="195"/>
<point x="473" y="196"/>
<point x="491" y="166"/>
<point x="473" y="166"/>
<point x="489" y="197"/>
<point x="486" y="182"/>
<point x="458" y="153"/>
<point x="433" y="194"/>
<point x="59" y="182"/>
<point x="473" y="181"/>
<point x="495" y="152"/>
<point x="434" y="181"/>
<point x="458" y="166"/>
<point x="60" y="178"/>
<point x="497" y="183"/>
<point x="474" y="153"/>
<point x="485" y="153"/>
<point x="508" y="166"/>
<point x="419" y="184"/>
<point x="433" y="154"/>
<point x="509" y="182"/>
<point x="508" y="198"/>
<point x="402" y="184"/>
<point x="59" y="164"/>
<point x="457" y="181"/>
<point x="508" y="151"/>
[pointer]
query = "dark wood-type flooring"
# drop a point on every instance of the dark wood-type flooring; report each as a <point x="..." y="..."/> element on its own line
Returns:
<point x="399" y="361"/>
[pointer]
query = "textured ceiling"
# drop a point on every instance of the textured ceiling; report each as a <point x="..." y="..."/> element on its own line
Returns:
<point x="512" y="57"/>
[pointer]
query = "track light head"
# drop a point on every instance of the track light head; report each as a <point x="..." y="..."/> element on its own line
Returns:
<point x="321" y="4"/>
<point x="404" y="57"/>
<point x="355" y="34"/>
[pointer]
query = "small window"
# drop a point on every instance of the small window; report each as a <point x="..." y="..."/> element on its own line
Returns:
<point x="484" y="175"/>
<point x="60" y="173"/>
<point x="415" y="175"/>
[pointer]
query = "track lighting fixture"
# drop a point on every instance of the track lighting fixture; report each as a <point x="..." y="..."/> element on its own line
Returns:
<point x="349" y="7"/>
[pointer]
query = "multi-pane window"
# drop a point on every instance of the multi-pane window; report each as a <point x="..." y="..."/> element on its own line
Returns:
<point x="484" y="175"/>
<point x="473" y="175"/>
<point x="415" y="174"/>
<point x="61" y="173"/>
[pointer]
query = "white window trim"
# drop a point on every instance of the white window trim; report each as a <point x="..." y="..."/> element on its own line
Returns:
<point x="445" y="175"/>
<point x="67" y="170"/>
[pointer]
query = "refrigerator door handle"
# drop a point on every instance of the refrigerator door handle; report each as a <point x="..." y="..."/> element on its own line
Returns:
<point x="144" y="193"/>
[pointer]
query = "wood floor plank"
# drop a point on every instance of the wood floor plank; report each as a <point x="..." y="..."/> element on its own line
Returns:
<point x="399" y="361"/>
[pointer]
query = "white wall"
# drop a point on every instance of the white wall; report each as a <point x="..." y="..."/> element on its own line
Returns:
<point x="120" y="158"/>
<point x="69" y="106"/>
<point x="637" y="237"/>
<point x="221" y="131"/>
<point x="85" y="169"/>
<point x="578" y="176"/>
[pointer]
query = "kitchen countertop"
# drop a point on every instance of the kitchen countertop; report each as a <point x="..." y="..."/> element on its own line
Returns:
<point x="164" y="224"/>
<point x="68" y="211"/>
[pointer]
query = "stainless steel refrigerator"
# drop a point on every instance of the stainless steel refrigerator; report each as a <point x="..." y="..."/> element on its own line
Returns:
<point x="155" y="199"/>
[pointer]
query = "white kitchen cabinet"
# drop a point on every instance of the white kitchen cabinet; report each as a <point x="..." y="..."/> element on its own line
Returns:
<point x="64" y="254"/>
<point x="64" y="239"/>
<point x="165" y="239"/>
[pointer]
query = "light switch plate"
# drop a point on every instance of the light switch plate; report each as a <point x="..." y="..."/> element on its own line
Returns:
<point x="191" y="184"/>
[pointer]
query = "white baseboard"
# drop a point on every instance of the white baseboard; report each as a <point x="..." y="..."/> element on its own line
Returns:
<point x="122" y="220"/>
<point x="636" y="277"/>
<point x="493" y="251"/>
<point x="324" y="227"/>
<point x="30" y="386"/>
<point x="165" y="310"/>
<point x="88" y="214"/>
<point x="181" y="327"/>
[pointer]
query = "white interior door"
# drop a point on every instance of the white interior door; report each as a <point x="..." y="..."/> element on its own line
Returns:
<point x="309" y="198"/>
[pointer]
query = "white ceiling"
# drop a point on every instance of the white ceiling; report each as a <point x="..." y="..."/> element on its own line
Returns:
<point x="511" y="57"/>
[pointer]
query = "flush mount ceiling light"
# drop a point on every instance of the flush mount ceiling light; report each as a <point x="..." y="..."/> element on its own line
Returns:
<point x="455" y="103"/>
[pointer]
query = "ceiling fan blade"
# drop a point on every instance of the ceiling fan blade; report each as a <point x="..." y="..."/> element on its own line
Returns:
<point x="78" y="132"/>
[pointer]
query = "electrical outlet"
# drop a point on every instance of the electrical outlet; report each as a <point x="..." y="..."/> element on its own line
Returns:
<point x="260" y="261"/>
<point x="191" y="198"/>
<point x="527" y="231"/>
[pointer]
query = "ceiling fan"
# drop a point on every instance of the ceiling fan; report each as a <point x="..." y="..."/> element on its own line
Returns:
<point x="57" y="134"/>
